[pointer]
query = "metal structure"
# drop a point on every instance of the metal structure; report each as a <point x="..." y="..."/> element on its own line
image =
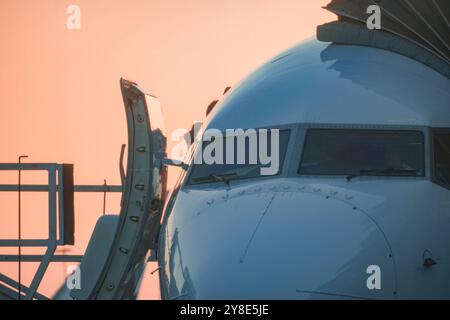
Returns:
<point x="143" y="191"/>
<point x="60" y="190"/>
<point x="414" y="28"/>
<point x="142" y="199"/>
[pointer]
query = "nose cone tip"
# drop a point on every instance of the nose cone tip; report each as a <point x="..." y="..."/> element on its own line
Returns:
<point x="278" y="249"/>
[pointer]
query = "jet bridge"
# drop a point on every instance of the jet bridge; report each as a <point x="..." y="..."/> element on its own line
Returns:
<point x="119" y="247"/>
<point x="417" y="29"/>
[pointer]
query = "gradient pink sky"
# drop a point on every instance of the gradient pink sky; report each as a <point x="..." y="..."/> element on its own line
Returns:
<point x="60" y="96"/>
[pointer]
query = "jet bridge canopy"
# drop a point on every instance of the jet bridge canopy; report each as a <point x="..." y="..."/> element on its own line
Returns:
<point x="419" y="29"/>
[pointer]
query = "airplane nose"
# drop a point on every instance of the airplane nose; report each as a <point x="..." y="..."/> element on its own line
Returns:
<point x="276" y="245"/>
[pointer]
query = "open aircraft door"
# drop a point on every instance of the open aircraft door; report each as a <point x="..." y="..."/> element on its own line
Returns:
<point x="144" y="190"/>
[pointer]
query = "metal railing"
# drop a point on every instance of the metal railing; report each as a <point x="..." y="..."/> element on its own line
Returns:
<point x="60" y="189"/>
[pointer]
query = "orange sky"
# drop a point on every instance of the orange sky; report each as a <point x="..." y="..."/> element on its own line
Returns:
<point x="60" y="96"/>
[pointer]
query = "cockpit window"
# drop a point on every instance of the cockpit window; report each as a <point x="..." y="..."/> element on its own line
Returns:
<point x="441" y="142"/>
<point x="363" y="152"/>
<point x="242" y="167"/>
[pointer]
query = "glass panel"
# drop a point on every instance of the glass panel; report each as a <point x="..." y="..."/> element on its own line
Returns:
<point x="363" y="152"/>
<point x="206" y="173"/>
<point x="442" y="157"/>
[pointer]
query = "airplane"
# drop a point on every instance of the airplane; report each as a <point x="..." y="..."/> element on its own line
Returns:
<point x="359" y="207"/>
<point x="365" y="177"/>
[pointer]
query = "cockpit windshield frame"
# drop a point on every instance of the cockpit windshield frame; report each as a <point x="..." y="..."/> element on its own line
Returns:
<point x="296" y="146"/>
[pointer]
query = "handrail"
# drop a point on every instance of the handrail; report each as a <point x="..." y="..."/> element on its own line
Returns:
<point x="45" y="188"/>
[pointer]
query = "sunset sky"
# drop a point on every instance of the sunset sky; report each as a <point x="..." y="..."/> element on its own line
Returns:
<point x="60" y="96"/>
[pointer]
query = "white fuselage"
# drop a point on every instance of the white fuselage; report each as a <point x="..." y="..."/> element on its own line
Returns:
<point x="296" y="236"/>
